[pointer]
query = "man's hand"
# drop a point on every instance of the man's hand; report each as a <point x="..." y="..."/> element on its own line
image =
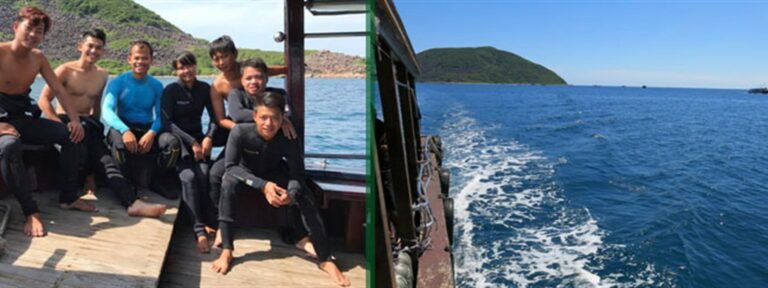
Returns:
<point x="207" y="146"/>
<point x="275" y="195"/>
<point x="288" y="130"/>
<point x="197" y="150"/>
<point x="8" y="129"/>
<point x="76" y="131"/>
<point x="146" y="141"/>
<point x="130" y="142"/>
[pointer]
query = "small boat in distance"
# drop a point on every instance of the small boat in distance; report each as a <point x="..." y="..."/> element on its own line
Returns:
<point x="758" y="90"/>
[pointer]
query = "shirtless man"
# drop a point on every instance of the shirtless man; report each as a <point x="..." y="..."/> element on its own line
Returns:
<point x="20" y="62"/>
<point x="255" y="156"/>
<point x="84" y="80"/>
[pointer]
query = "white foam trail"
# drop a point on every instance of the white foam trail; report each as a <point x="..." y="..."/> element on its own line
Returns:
<point x="506" y="185"/>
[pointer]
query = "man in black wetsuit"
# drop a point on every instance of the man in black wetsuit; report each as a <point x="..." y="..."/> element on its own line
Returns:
<point x="239" y="103"/>
<point x="254" y="164"/>
<point x="182" y="107"/>
<point x="20" y="122"/>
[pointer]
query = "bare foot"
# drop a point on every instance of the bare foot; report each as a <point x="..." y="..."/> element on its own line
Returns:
<point x="80" y="205"/>
<point x="333" y="271"/>
<point x="140" y="208"/>
<point x="305" y="245"/>
<point x="221" y="265"/>
<point x="34" y="227"/>
<point x="217" y="240"/>
<point x="202" y="244"/>
<point x="90" y="185"/>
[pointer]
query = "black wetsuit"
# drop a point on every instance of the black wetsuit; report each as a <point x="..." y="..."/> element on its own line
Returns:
<point x="96" y="158"/>
<point x="21" y="112"/>
<point x="250" y="163"/>
<point x="182" y="109"/>
<point x="240" y="111"/>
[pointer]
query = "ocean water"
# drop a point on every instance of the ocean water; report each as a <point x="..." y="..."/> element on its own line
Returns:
<point x="334" y="118"/>
<point x="604" y="186"/>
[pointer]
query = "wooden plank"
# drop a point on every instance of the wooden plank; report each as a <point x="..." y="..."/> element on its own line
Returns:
<point x="261" y="260"/>
<point x="103" y="249"/>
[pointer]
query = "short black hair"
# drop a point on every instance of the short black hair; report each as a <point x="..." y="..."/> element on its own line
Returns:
<point x="271" y="100"/>
<point x="186" y="58"/>
<point x="222" y="44"/>
<point x="95" y="33"/>
<point x="255" y="63"/>
<point x="142" y="43"/>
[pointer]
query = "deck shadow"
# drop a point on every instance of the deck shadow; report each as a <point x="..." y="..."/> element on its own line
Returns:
<point x="82" y="247"/>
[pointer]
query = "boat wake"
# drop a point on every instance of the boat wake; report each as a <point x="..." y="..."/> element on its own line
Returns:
<point x="513" y="225"/>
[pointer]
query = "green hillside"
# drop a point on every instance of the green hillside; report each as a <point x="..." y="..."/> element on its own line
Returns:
<point x="123" y="21"/>
<point x="482" y="65"/>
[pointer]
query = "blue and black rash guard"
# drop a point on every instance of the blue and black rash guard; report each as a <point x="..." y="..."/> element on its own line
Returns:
<point x="241" y="104"/>
<point x="130" y="101"/>
<point x="182" y="110"/>
<point x="246" y="148"/>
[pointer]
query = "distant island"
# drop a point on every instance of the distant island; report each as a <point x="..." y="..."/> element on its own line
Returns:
<point x="482" y="65"/>
<point x="125" y="21"/>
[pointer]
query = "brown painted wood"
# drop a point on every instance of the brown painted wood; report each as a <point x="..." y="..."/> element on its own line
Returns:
<point x="402" y="178"/>
<point x="294" y="60"/>
<point x="384" y="271"/>
<point x="436" y="264"/>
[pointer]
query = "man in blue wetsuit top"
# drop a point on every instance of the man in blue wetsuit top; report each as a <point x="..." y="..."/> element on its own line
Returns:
<point x="182" y="106"/>
<point x="131" y="108"/>
<point x="254" y="160"/>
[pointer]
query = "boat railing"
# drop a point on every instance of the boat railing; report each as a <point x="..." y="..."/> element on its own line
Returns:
<point x="421" y="206"/>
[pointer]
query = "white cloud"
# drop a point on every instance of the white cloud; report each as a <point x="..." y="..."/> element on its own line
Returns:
<point x="252" y="24"/>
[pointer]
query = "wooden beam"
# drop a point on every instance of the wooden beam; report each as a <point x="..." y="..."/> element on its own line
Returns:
<point x="398" y="157"/>
<point x="294" y="60"/>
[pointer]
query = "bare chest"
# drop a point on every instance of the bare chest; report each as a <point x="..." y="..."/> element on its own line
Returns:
<point x="84" y="84"/>
<point x="16" y="75"/>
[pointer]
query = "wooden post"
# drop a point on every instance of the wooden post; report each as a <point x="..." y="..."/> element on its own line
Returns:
<point x="294" y="61"/>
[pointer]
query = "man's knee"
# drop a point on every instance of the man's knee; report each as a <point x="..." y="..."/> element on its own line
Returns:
<point x="168" y="141"/>
<point x="9" y="145"/>
<point x="115" y="139"/>
<point x="187" y="176"/>
<point x="228" y="184"/>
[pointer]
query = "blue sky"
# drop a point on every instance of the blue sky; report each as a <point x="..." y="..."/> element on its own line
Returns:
<point x="252" y="24"/>
<point x="710" y="44"/>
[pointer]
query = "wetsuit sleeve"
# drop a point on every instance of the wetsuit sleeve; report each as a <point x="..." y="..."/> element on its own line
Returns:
<point x="168" y="105"/>
<point x="157" y="124"/>
<point x="109" y="107"/>
<point x="238" y="108"/>
<point x="232" y="160"/>
<point x="212" y="126"/>
<point x="295" y="161"/>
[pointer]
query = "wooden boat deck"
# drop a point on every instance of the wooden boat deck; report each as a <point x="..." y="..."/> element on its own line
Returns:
<point x="103" y="249"/>
<point x="261" y="259"/>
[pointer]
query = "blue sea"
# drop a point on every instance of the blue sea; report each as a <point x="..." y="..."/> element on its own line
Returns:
<point x="334" y="119"/>
<point x="604" y="186"/>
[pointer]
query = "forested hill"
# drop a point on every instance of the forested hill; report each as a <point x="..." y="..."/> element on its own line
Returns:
<point x="482" y="65"/>
<point x="125" y="21"/>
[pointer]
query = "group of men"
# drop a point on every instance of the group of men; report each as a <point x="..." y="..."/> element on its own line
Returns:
<point x="160" y="129"/>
